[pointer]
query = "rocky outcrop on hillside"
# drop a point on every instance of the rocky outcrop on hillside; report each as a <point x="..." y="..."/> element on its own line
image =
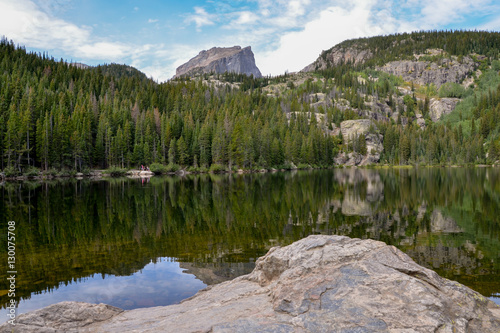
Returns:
<point x="79" y="65"/>
<point x="441" y="106"/>
<point x="426" y="72"/>
<point x="338" y="55"/>
<point x="220" y="60"/>
<point x="317" y="284"/>
<point x="351" y="129"/>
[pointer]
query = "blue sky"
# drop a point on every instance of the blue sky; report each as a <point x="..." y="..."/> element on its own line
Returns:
<point x="286" y="35"/>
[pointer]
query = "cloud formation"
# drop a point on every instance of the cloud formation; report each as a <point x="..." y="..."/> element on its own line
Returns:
<point x="200" y="18"/>
<point x="285" y="35"/>
<point x="27" y="23"/>
<point x="304" y="28"/>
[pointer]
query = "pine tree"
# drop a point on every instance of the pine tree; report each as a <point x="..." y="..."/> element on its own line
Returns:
<point x="182" y="151"/>
<point x="236" y="147"/>
<point x="172" y="152"/>
<point x="362" y="144"/>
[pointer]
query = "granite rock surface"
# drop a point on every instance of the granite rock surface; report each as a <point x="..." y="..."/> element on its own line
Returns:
<point x="317" y="284"/>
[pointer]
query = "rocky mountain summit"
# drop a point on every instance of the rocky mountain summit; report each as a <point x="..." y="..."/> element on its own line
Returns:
<point x="220" y="60"/>
<point x="317" y="284"/>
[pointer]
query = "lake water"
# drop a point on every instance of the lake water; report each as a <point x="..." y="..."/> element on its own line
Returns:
<point x="138" y="243"/>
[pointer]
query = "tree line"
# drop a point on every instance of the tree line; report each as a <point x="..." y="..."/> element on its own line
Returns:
<point x="59" y="116"/>
<point x="55" y="115"/>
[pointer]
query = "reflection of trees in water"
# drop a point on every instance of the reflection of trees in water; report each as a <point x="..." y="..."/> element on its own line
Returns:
<point x="446" y="219"/>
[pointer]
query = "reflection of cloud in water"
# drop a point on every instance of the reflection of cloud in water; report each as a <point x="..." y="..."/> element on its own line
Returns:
<point x="157" y="284"/>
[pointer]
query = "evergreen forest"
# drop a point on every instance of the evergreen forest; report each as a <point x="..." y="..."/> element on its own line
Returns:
<point x="58" y="117"/>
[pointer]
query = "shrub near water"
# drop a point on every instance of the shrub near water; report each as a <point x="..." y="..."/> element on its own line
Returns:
<point x="31" y="171"/>
<point x="158" y="168"/>
<point x="86" y="171"/>
<point x="172" y="167"/>
<point x="217" y="168"/>
<point x="10" y="171"/>
<point x="116" y="172"/>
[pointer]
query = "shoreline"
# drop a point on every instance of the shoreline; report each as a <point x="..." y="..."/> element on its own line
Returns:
<point x="136" y="173"/>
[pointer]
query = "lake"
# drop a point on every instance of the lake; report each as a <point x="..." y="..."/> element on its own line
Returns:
<point x="138" y="243"/>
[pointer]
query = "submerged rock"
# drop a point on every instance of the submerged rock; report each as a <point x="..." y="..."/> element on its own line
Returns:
<point x="317" y="284"/>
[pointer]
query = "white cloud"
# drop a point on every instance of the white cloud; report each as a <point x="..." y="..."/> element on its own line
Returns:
<point x="439" y="13"/>
<point x="26" y="23"/>
<point x="333" y="25"/>
<point x="246" y="17"/>
<point x="200" y="18"/>
<point x="103" y="50"/>
<point x="297" y="7"/>
<point x="284" y="34"/>
<point x="353" y="19"/>
<point x="493" y="25"/>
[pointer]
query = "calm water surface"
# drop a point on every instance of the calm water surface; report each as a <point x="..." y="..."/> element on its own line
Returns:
<point x="133" y="243"/>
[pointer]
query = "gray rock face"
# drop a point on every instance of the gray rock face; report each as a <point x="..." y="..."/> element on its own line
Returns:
<point x="425" y="72"/>
<point x="62" y="317"/>
<point x="220" y="60"/>
<point x="338" y="55"/>
<point x="442" y="106"/>
<point x="352" y="129"/>
<point x="317" y="284"/>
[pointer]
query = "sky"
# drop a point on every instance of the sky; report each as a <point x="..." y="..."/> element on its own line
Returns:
<point x="157" y="36"/>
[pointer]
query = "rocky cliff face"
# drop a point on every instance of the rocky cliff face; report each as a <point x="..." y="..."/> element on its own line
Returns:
<point x="318" y="284"/>
<point x="351" y="129"/>
<point x="442" y="106"/>
<point x="338" y="55"/>
<point x="425" y="72"/>
<point x="219" y="60"/>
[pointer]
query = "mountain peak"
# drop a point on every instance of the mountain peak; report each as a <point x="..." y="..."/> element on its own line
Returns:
<point x="219" y="60"/>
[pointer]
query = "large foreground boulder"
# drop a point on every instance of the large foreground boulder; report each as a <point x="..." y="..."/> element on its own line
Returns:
<point x="317" y="284"/>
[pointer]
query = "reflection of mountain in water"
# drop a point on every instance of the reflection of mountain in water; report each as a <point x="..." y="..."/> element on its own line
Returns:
<point x="217" y="225"/>
<point x="211" y="273"/>
<point x="440" y="223"/>
<point x="443" y="219"/>
<point x="363" y="190"/>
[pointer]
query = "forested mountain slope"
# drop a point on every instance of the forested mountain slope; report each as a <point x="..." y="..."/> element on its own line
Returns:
<point x="421" y="98"/>
<point x="409" y="83"/>
<point x="57" y="116"/>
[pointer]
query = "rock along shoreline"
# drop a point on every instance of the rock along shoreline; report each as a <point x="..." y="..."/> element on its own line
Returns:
<point x="317" y="284"/>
